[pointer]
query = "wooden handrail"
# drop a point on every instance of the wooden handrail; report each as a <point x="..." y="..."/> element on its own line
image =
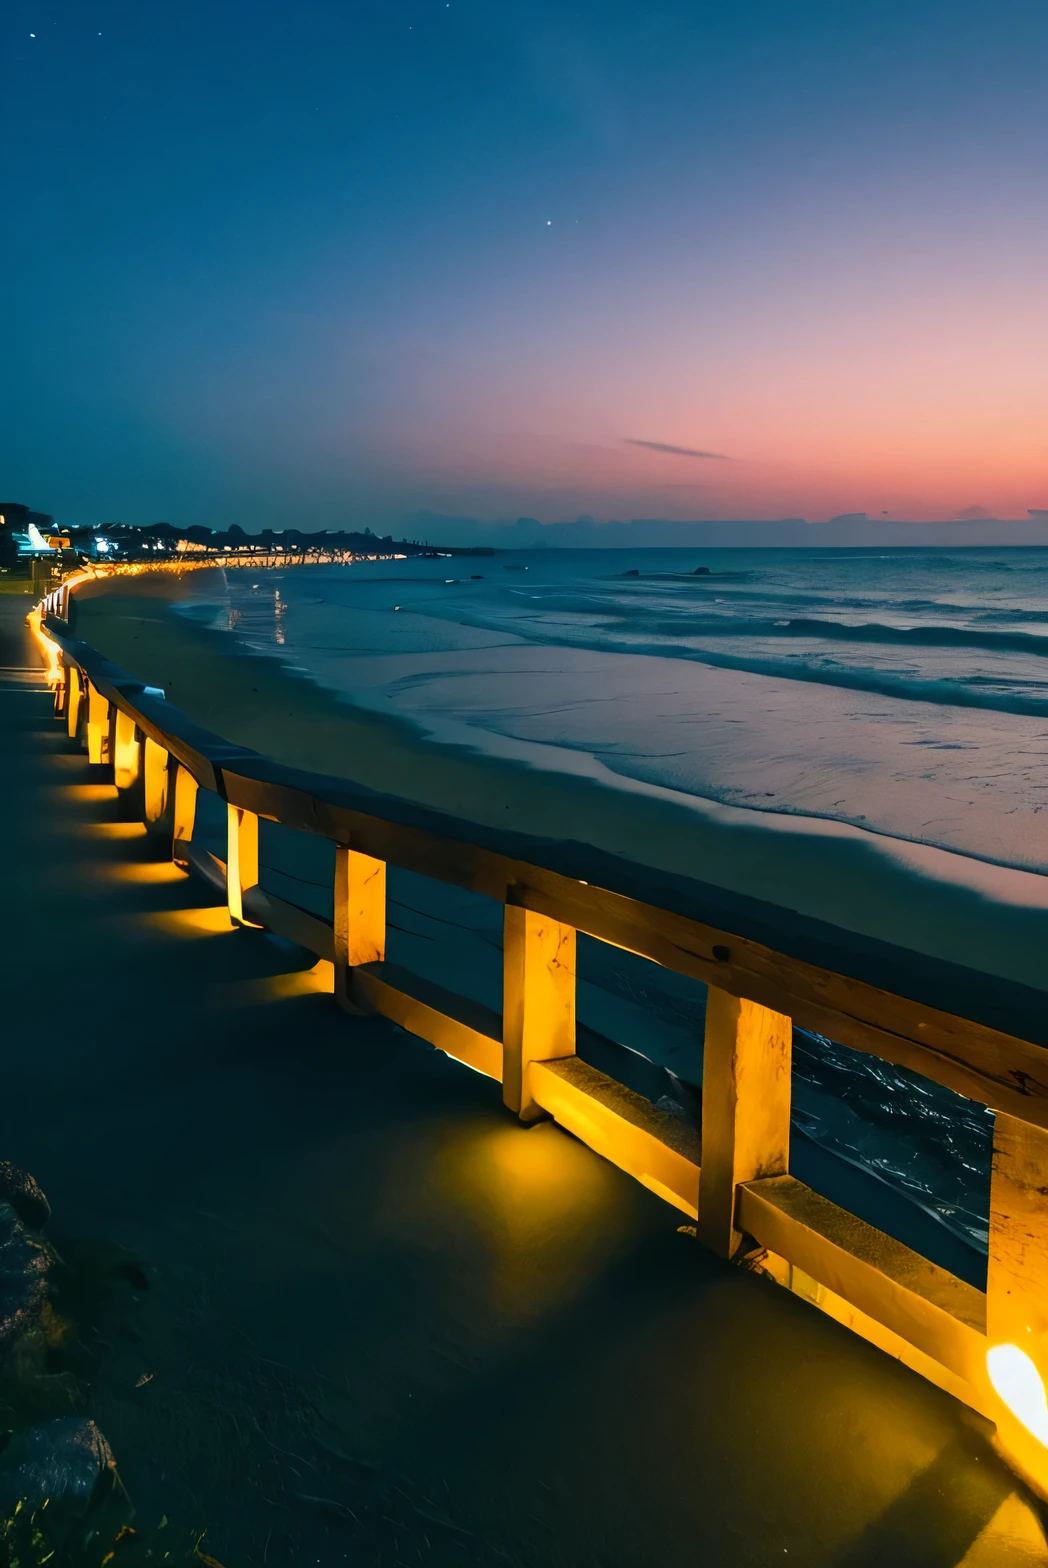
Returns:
<point x="736" y="1186"/>
<point x="1000" y="1070"/>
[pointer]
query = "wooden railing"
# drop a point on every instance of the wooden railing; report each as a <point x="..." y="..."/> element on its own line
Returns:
<point x="733" y="1181"/>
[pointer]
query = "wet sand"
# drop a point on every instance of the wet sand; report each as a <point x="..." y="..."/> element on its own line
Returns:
<point x="386" y="1323"/>
<point x="992" y="920"/>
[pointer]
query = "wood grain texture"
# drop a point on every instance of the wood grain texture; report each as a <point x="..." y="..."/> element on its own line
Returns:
<point x="360" y="915"/>
<point x="655" y="1148"/>
<point x="1017" y="1274"/>
<point x="985" y="1064"/>
<point x="928" y="1307"/>
<point x="745" y="1109"/>
<point x="538" y="1001"/>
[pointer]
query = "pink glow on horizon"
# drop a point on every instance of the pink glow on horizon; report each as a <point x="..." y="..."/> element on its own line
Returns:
<point x="918" y="392"/>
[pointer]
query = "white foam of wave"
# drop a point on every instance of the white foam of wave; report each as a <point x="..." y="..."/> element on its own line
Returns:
<point x="627" y="751"/>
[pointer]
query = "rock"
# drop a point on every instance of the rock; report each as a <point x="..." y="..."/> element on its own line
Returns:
<point x="24" y="1262"/>
<point x="21" y="1191"/>
<point x="61" y="1500"/>
<point x="634" y="571"/>
<point x="702" y="571"/>
<point x="65" y="1463"/>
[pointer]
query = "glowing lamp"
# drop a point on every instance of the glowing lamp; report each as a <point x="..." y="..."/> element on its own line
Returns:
<point x="1017" y="1382"/>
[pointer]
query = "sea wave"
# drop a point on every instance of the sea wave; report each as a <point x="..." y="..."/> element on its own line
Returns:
<point x="918" y="640"/>
<point x="987" y="630"/>
<point x="1006" y="692"/>
<point x="976" y="691"/>
<point x="867" y="631"/>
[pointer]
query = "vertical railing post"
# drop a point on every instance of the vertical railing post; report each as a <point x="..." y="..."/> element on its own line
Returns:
<point x="360" y="916"/>
<point x="538" y="1001"/>
<point x="61" y="692"/>
<point x="241" y="860"/>
<point x="125" y="750"/>
<point x="1017" y="1280"/>
<point x="184" y="816"/>
<point x="1017" y="1270"/>
<point x="745" y="1109"/>
<point x="74" y="696"/>
<point x="97" y="726"/>
<point x="155" y="771"/>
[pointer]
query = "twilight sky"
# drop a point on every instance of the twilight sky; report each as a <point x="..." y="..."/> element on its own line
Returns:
<point x="326" y="263"/>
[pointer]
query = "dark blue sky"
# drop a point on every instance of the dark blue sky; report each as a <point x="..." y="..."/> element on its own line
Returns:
<point x="329" y="263"/>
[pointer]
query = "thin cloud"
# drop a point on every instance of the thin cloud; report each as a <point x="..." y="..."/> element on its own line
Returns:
<point x="676" y="451"/>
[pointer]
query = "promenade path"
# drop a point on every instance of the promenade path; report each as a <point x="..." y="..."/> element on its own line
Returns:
<point x="386" y="1324"/>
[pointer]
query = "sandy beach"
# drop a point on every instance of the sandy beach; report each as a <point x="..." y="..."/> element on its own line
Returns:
<point x="946" y="926"/>
<point x="989" y="919"/>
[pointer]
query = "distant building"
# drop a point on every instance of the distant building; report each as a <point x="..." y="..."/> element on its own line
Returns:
<point x="24" y="532"/>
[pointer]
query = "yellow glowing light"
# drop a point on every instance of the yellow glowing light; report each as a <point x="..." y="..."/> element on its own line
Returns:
<point x="540" y="1202"/>
<point x="1018" y="1383"/>
<point x="49" y="651"/>
<point x="1014" y="1535"/>
<point x="212" y="921"/>
<point x="127" y="751"/>
<point x="118" y="830"/>
<point x="221" y="558"/>
<point x="318" y="981"/>
<point x="91" y="792"/>
<point x="147" y="871"/>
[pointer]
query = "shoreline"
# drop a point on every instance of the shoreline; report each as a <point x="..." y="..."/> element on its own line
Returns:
<point x="955" y="778"/>
<point x="896" y="1191"/>
<point x="933" y="903"/>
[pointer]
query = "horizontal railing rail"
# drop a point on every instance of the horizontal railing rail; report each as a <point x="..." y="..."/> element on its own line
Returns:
<point x="731" y="1180"/>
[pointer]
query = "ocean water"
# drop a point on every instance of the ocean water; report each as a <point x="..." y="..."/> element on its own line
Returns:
<point x="903" y="691"/>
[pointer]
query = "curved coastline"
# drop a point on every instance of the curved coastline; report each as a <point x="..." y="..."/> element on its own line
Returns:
<point x="890" y="894"/>
<point x="910" y="1173"/>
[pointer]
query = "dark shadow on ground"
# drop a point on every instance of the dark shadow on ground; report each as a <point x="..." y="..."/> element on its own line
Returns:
<point x="959" y="1482"/>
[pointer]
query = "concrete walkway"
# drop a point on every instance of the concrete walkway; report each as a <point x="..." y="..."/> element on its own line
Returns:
<point x="385" y="1323"/>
